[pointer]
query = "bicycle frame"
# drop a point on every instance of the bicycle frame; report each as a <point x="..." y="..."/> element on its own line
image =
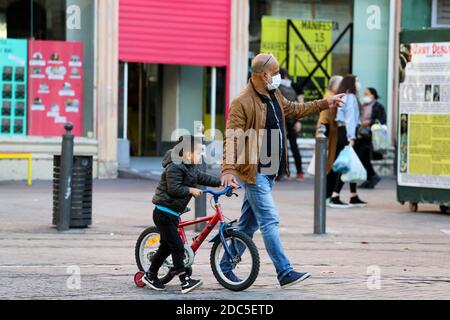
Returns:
<point x="211" y="222"/>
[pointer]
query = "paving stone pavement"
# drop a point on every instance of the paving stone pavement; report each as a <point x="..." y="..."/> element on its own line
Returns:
<point x="409" y="251"/>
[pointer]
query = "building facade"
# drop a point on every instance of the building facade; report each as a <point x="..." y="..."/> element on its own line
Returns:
<point x="88" y="93"/>
<point x="152" y="67"/>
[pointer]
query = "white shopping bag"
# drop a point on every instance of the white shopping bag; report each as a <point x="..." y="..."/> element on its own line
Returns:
<point x="380" y="139"/>
<point x="357" y="171"/>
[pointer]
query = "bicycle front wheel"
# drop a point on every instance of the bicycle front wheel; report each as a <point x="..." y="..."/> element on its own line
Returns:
<point x="238" y="270"/>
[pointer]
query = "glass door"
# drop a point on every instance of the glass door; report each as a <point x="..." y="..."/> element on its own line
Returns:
<point x="144" y="109"/>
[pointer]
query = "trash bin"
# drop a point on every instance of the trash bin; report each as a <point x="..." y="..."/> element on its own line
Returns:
<point x="81" y="208"/>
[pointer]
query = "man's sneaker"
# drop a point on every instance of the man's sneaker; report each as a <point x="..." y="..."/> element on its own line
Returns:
<point x="152" y="281"/>
<point x="335" y="202"/>
<point x="292" y="278"/>
<point x="300" y="176"/>
<point x="232" y="277"/>
<point x="190" y="284"/>
<point x="357" y="202"/>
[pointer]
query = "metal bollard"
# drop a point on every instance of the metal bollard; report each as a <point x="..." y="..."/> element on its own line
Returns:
<point x="320" y="183"/>
<point x="65" y="179"/>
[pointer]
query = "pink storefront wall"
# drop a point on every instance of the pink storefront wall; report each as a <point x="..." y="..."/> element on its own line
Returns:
<point x="183" y="32"/>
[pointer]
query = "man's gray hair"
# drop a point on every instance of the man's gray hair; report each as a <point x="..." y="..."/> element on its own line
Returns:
<point x="334" y="80"/>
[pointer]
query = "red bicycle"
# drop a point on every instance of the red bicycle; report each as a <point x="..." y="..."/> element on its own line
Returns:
<point x="234" y="257"/>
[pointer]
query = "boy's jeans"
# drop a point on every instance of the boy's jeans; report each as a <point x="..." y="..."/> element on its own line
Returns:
<point x="259" y="212"/>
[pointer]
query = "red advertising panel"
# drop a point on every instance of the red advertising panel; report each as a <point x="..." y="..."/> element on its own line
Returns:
<point x="55" y="89"/>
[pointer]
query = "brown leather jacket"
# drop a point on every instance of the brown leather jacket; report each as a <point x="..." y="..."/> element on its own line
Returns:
<point x="247" y="112"/>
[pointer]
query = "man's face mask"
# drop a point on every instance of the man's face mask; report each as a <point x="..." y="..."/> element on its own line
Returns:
<point x="276" y="80"/>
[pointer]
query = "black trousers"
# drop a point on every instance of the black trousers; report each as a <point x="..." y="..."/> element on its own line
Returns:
<point x="342" y="141"/>
<point x="170" y="242"/>
<point x="295" y="153"/>
<point x="331" y="179"/>
<point x="363" y="148"/>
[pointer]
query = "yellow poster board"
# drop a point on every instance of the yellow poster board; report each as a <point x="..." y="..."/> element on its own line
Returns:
<point x="429" y="144"/>
<point x="317" y="35"/>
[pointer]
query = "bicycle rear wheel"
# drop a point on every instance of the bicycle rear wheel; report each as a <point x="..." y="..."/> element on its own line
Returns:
<point x="146" y="246"/>
<point x="238" y="271"/>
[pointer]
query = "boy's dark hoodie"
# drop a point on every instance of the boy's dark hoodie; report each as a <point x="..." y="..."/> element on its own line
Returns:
<point x="173" y="188"/>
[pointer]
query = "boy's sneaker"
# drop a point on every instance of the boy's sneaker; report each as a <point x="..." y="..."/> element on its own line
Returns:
<point x="190" y="284"/>
<point x="152" y="281"/>
<point x="357" y="202"/>
<point x="292" y="278"/>
<point x="335" y="202"/>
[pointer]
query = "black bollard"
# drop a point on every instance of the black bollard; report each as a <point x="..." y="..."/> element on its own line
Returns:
<point x="65" y="179"/>
<point x="320" y="183"/>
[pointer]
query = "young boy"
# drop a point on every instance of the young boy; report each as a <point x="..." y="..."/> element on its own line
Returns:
<point x="175" y="190"/>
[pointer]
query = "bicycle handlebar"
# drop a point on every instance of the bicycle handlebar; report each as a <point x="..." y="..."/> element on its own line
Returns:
<point x="226" y="191"/>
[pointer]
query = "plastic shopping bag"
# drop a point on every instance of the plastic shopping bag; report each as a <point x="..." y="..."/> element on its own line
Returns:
<point x="357" y="172"/>
<point x="380" y="140"/>
<point x="342" y="162"/>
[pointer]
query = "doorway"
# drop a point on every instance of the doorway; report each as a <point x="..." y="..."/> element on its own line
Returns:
<point x="144" y="109"/>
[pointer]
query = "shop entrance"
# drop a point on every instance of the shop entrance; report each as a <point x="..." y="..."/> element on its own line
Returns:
<point x="144" y="109"/>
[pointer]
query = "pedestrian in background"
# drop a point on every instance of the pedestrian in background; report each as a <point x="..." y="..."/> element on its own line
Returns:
<point x="293" y="126"/>
<point x="371" y="112"/>
<point x="331" y="133"/>
<point x="346" y="119"/>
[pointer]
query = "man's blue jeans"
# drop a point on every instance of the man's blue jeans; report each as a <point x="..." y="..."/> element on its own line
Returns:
<point x="259" y="212"/>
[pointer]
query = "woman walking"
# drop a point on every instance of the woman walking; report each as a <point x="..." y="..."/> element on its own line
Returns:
<point x="371" y="112"/>
<point x="331" y="132"/>
<point x="345" y="120"/>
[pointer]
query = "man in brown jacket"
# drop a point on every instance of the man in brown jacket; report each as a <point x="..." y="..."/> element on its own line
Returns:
<point x="254" y="145"/>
